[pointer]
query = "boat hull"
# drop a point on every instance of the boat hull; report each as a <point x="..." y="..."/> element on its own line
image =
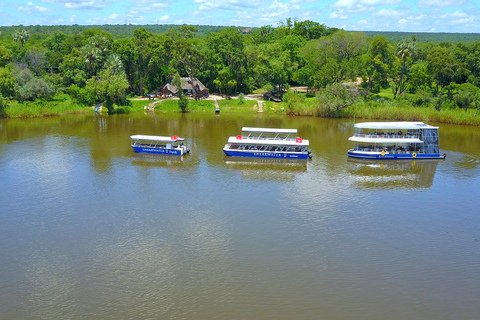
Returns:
<point x="266" y="154"/>
<point x="173" y="152"/>
<point x="388" y="156"/>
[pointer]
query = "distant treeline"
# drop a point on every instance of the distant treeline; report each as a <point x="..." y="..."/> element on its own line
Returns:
<point x="434" y="37"/>
<point x="126" y="30"/>
<point x="105" y="64"/>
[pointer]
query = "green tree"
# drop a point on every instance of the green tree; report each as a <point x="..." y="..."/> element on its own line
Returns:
<point x="108" y="87"/>
<point x="466" y="96"/>
<point x="29" y="88"/>
<point x="72" y="69"/>
<point x="186" y="52"/>
<point x="378" y="62"/>
<point x="7" y="83"/>
<point x="405" y="49"/>
<point x="440" y="66"/>
<point x="5" y="56"/>
<point x="21" y="37"/>
<point x="226" y="59"/>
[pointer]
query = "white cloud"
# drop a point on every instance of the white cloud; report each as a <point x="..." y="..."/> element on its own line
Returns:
<point x="338" y="14"/>
<point x="352" y="4"/>
<point x="164" y="18"/>
<point x="73" y="18"/>
<point x="440" y="3"/>
<point x="30" y="7"/>
<point x="147" y="6"/>
<point x="227" y="4"/>
<point x="85" y="5"/>
<point x="389" y="13"/>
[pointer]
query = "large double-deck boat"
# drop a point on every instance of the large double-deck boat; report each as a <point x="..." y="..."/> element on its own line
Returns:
<point x="268" y="143"/>
<point x="173" y="145"/>
<point x="395" y="140"/>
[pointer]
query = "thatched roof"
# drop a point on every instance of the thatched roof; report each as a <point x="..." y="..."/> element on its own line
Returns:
<point x="186" y="84"/>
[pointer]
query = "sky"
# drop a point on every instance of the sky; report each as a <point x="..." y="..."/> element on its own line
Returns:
<point x="351" y="15"/>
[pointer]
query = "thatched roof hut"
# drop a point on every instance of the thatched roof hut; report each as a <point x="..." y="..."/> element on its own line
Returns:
<point x="187" y="87"/>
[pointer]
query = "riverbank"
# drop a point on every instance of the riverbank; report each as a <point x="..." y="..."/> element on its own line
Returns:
<point x="367" y="110"/>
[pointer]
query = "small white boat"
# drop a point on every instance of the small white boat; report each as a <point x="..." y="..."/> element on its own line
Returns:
<point x="395" y="140"/>
<point x="173" y="145"/>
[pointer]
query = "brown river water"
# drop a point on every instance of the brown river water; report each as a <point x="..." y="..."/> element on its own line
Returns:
<point x="91" y="230"/>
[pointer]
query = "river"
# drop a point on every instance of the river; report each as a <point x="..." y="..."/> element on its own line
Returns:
<point x="91" y="230"/>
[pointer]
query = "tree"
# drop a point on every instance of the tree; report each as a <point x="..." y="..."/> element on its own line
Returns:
<point x="466" y="96"/>
<point x="21" y="36"/>
<point x="335" y="58"/>
<point x="7" y="83"/>
<point x="440" y="66"/>
<point x="309" y="29"/>
<point x="108" y="87"/>
<point x="226" y="58"/>
<point x="29" y="87"/>
<point x="405" y="49"/>
<point x="72" y="69"/>
<point x="187" y="53"/>
<point x="378" y="62"/>
<point x="5" y="56"/>
<point x="270" y="65"/>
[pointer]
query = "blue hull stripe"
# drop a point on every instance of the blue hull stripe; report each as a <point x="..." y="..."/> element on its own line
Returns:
<point x="174" y="152"/>
<point x="395" y="156"/>
<point x="266" y="154"/>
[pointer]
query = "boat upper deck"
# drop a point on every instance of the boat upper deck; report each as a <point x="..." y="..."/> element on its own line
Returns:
<point x="270" y="142"/>
<point x="399" y="125"/>
<point x="156" y="138"/>
<point x="269" y="133"/>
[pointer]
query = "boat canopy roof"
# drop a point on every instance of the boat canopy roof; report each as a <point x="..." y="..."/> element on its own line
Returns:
<point x="394" y="125"/>
<point x="303" y="143"/>
<point x="156" y="138"/>
<point x="269" y="130"/>
<point x="385" y="140"/>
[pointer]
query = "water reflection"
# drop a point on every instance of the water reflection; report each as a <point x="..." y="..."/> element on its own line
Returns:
<point x="267" y="169"/>
<point x="157" y="160"/>
<point x="392" y="174"/>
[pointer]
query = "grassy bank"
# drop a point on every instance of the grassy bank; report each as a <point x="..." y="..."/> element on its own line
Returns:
<point x="230" y="106"/>
<point x="392" y="110"/>
<point x="60" y="106"/>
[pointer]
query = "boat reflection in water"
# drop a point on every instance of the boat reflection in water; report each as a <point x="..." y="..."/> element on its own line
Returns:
<point x="266" y="168"/>
<point x="157" y="160"/>
<point x="392" y="174"/>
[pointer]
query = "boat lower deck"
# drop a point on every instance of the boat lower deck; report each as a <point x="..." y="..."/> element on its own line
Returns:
<point x="393" y="156"/>
<point x="266" y="154"/>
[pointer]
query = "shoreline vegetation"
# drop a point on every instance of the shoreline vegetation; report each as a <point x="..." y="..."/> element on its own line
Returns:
<point x="49" y="71"/>
<point x="379" y="109"/>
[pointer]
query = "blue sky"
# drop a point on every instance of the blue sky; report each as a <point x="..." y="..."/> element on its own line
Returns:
<point x="359" y="15"/>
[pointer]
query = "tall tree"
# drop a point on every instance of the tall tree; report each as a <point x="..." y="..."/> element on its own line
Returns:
<point x="186" y="52"/>
<point x="405" y="49"/>
<point x="21" y="36"/>
<point x="378" y="62"/>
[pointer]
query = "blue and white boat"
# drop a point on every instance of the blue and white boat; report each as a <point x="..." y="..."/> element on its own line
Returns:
<point x="268" y="143"/>
<point x="173" y="145"/>
<point x="395" y="140"/>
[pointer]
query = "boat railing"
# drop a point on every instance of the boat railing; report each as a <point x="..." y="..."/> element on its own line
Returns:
<point x="387" y="136"/>
<point x="391" y="151"/>
<point x="264" y="137"/>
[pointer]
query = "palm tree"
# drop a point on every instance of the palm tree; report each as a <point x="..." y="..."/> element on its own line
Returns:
<point x="114" y="63"/>
<point x="405" y="49"/>
<point x="92" y="56"/>
<point x="21" y="36"/>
